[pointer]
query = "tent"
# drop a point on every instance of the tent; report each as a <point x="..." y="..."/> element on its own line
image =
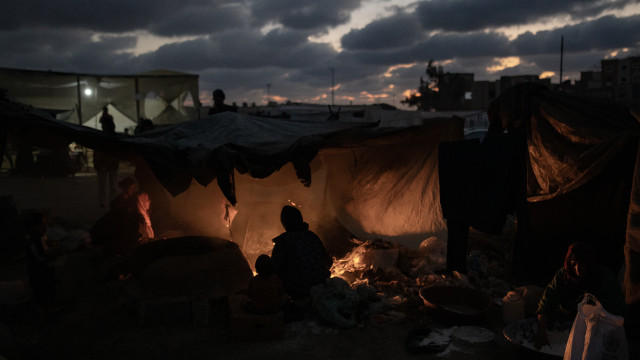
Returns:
<point x="79" y="98"/>
<point x="574" y="173"/>
<point x="366" y="180"/>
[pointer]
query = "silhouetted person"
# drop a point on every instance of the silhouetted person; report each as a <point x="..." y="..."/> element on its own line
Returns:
<point x="300" y="257"/>
<point x="127" y="224"/>
<point x="266" y="294"/>
<point x="106" y="165"/>
<point x="218" y="103"/>
<point x="143" y="126"/>
<point x="41" y="273"/>
<point x="580" y="274"/>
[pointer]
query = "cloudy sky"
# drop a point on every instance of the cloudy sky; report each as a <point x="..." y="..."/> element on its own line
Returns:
<point x="378" y="49"/>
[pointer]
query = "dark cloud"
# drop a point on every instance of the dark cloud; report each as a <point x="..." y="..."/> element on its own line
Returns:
<point x="279" y="38"/>
<point x="396" y="31"/>
<point x="586" y="36"/>
<point x="230" y="48"/>
<point x="304" y="14"/>
<point x="470" y="15"/>
<point x="104" y="15"/>
<point x="449" y="45"/>
<point x="64" y="50"/>
<point x="201" y="20"/>
<point x="239" y="50"/>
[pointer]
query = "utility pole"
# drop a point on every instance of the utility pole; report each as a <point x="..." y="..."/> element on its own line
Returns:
<point x="332" y="87"/>
<point x="561" y="60"/>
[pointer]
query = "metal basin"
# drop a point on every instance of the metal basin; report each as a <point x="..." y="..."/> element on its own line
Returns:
<point x="456" y="302"/>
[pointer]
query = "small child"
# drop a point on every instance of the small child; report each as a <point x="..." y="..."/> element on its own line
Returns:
<point x="266" y="294"/>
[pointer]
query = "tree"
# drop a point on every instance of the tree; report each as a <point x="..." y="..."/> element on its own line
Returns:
<point x="426" y="96"/>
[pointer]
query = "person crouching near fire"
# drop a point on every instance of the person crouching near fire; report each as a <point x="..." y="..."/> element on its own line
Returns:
<point x="127" y="224"/>
<point x="301" y="260"/>
<point x="580" y="274"/>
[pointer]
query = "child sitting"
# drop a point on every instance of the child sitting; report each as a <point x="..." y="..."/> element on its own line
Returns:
<point x="266" y="294"/>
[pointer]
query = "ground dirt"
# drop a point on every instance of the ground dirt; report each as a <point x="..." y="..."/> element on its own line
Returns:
<point x="92" y="318"/>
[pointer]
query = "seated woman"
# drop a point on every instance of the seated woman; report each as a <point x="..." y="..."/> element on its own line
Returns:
<point x="300" y="258"/>
<point x="580" y="274"/>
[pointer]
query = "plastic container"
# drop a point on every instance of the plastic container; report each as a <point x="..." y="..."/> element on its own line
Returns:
<point x="512" y="307"/>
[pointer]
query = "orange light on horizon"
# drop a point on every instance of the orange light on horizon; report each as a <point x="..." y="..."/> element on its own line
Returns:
<point x="391" y="69"/>
<point x="504" y="63"/>
<point x="547" y="74"/>
<point x="372" y="97"/>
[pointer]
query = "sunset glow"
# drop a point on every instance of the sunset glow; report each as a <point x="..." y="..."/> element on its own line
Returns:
<point x="504" y="63"/>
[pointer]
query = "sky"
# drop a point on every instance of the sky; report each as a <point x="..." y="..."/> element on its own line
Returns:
<point x="370" y="51"/>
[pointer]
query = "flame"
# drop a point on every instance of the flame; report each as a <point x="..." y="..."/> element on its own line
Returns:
<point x="350" y="263"/>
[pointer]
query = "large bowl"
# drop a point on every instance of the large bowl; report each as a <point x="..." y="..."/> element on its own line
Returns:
<point x="522" y="333"/>
<point x="457" y="302"/>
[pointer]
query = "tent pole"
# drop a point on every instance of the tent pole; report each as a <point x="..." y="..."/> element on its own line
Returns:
<point x="137" y="102"/>
<point x="79" y="106"/>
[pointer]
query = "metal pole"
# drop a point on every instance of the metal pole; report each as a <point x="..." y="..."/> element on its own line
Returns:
<point x="332" y="87"/>
<point x="561" y="56"/>
<point x="137" y="102"/>
<point x="79" y="106"/>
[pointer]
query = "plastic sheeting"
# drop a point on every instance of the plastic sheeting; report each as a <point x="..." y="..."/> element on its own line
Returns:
<point x="570" y="138"/>
<point x="348" y="179"/>
<point x="582" y="165"/>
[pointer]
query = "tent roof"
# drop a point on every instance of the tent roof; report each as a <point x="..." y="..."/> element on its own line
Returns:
<point x="213" y="147"/>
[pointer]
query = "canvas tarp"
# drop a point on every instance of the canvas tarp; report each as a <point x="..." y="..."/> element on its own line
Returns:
<point x="130" y="97"/>
<point x="582" y="174"/>
<point x="362" y="180"/>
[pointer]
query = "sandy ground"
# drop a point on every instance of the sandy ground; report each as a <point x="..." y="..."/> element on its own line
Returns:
<point x="93" y="319"/>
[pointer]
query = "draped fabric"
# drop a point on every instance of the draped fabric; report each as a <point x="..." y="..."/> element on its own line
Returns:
<point x="582" y="174"/>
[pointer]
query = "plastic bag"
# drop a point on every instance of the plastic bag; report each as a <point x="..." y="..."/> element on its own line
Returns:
<point x="596" y="334"/>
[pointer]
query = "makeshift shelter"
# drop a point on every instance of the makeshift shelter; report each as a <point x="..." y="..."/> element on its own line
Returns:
<point x="79" y="98"/>
<point x="575" y="177"/>
<point x="349" y="179"/>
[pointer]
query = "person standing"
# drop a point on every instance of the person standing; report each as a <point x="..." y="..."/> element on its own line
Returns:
<point x="106" y="165"/>
<point x="218" y="103"/>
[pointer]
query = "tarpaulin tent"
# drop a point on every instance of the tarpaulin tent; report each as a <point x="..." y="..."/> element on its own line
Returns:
<point x="362" y="179"/>
<point x="579" y="179"/>
<point x="79" y="98"/>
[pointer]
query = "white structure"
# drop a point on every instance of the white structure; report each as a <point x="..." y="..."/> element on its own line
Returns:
<point x="79" y="98"/>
